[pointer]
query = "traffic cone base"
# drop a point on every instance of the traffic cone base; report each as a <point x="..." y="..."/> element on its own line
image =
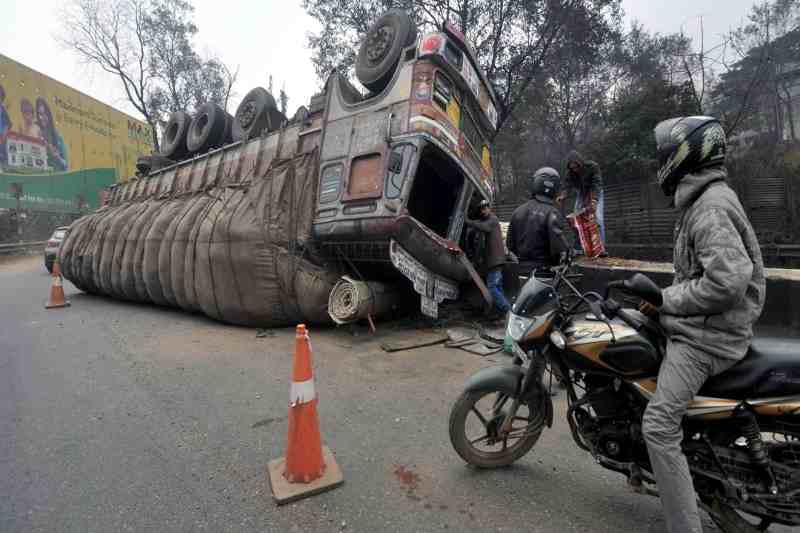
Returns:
<point x="286" y="491"/>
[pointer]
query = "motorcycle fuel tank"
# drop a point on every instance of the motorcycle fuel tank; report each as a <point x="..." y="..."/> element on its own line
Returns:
<point x="595" y="346"/>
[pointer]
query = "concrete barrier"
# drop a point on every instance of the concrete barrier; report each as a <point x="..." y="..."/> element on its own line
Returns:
<point x="781" y="310"/>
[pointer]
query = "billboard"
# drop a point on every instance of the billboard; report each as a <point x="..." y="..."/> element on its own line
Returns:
<point x="59" y="147"/>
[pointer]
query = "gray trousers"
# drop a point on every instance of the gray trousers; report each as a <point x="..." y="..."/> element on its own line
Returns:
<point x="682" y="374"/>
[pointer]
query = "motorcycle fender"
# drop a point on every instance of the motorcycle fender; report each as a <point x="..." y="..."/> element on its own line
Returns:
<point x="508" y="379"/>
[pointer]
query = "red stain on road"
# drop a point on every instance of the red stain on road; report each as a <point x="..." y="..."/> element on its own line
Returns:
<point x="408" y="478"/>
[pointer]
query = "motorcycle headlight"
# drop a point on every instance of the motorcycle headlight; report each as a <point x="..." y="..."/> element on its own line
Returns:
<point x="518" y="326"/>
<point x="558" y="340"/>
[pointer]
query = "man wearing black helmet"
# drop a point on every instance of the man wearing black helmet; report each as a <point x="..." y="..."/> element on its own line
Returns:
<point x="495" y="254"/>
<point x="715" y="298"/>
<point x="536" y="232"/>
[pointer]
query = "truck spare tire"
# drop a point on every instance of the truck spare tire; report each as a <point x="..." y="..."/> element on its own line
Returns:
<point x="382" y="47"/>
<point x="254" y="115"/>
<point x="207" y="130"/>
<point x="173" y="145"/>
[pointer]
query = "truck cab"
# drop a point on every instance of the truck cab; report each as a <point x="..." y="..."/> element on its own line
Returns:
<point x="400" y="168"/>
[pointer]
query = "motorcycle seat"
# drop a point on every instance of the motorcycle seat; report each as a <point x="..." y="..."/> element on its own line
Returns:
<point x="771" y="368"/>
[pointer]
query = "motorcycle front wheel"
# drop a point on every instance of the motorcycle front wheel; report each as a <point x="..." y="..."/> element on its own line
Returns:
<point x="475" y="429"/>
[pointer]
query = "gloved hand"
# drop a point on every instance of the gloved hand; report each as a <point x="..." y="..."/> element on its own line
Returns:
<point x="648" y="309"/>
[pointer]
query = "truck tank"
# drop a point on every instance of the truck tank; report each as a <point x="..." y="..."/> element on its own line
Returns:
<point x="226" y="234"/>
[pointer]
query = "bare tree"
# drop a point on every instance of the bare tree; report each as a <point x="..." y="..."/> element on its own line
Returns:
<point x="756" y="89"/>
<point x="147" y="45"/>
<point x="512" y="38"/>
<point x="112" y="35"/>
<point x="230" y="76"/>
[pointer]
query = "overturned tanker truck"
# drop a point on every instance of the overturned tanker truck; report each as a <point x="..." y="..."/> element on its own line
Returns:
<point x="259" y="220"/>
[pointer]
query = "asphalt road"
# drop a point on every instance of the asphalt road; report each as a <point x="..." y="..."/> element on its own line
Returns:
<point x="123" y="417"/>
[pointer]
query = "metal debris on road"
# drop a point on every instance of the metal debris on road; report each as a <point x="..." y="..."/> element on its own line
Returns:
<point x="482" y="349"/>
<point x="419" y="340"/>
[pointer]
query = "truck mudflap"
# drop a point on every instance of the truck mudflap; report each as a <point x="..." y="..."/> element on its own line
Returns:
<point x="432" y="288"/>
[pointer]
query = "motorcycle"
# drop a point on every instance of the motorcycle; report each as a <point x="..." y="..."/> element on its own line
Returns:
<point x="741" y="432"/>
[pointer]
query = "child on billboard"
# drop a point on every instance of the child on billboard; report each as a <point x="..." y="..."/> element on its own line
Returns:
<point x="29" y="126"/>
<point x="5" y="127"/>
<point x="56" y="149"/>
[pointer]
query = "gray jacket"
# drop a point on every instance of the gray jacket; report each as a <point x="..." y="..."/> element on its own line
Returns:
<point x="719" y="286"/>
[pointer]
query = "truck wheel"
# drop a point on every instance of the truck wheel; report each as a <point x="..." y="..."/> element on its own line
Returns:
<point x="382" y="47"/>
<point x="207" y="129"/>
<point x="254" y="115"/>
<point x="174" y="142"/>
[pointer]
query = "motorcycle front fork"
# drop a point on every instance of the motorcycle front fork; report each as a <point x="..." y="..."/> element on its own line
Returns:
<point x="535" y="371"/>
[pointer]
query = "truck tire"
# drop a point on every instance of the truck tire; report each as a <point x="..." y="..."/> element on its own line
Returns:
<point x="207" y="129"/>
<point x="382" y="47"/>
<point x="254" y="115"/>
<point x="174" y="143"/>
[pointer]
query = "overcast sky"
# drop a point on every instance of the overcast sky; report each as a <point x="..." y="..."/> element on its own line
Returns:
<point x="268" y="37"/>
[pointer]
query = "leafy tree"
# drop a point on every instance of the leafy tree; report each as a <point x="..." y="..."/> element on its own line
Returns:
<point x="147" y="45"/>
<point x="605" y="104"/>
<point x="756" y="91"/>
<point x="652" y="88"/>
<point x="512" y="38"/>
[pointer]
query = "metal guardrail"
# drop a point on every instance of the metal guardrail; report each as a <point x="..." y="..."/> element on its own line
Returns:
<point x="18" y="247"/>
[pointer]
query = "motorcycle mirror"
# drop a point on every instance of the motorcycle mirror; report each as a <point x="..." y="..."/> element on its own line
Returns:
<point x="644" y="288"/>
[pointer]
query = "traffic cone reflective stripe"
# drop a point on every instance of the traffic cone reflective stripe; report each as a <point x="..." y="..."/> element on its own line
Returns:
<point x="302" y="392"/>
<point x="304" y="462"/>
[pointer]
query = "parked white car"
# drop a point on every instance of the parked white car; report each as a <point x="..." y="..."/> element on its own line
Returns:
<point x="52" y="246"/>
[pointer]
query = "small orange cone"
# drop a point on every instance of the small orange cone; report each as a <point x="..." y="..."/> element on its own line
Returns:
<point x="309" y="467"/>
<point x="56" y="289"/>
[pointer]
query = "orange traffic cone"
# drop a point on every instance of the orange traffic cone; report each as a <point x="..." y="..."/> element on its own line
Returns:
<point x="309" y="467"/>
<point x="56" y="289"/>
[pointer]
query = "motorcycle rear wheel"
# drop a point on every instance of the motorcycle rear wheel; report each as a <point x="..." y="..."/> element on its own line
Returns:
<point x="472" y="425"/>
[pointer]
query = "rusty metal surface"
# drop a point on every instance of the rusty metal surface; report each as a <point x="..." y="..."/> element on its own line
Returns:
<point x="366" y="177"/>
